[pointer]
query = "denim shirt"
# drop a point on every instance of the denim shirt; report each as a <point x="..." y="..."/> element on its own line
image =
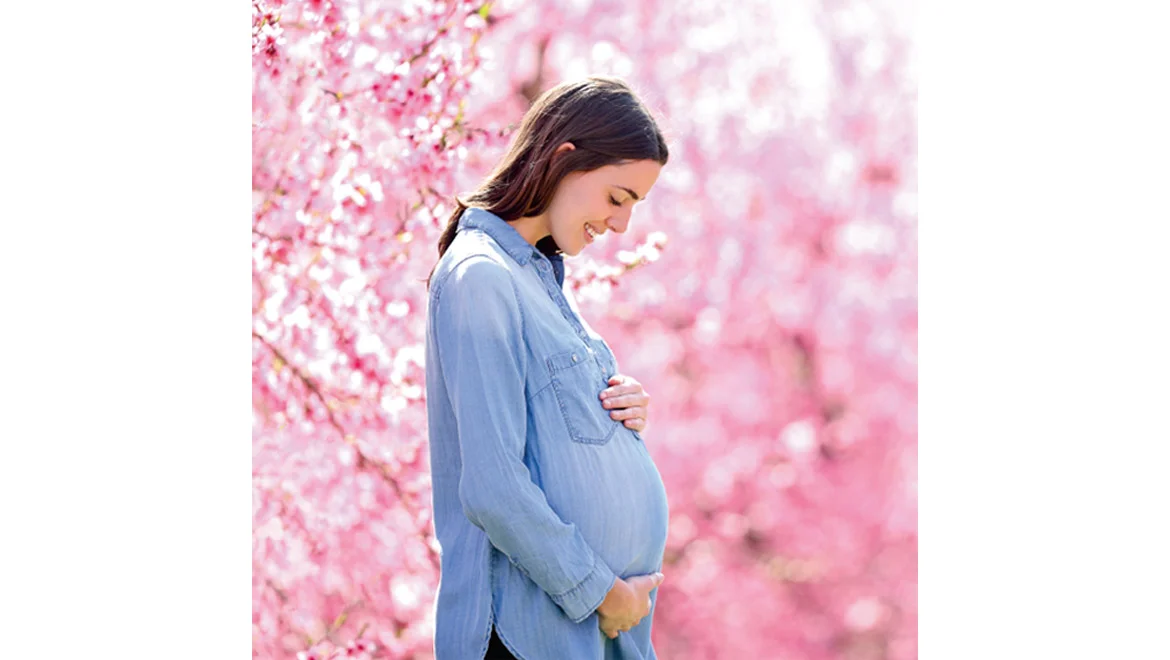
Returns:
<point x="540" y="497"/>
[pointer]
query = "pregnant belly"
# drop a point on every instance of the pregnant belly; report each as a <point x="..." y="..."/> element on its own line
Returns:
<point x="614" y="494"/>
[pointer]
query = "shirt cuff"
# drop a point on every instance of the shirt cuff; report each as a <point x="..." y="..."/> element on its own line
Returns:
<point x="580" y="601"/>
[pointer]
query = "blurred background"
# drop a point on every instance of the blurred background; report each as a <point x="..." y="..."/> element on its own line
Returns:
<point x="765" y="295"/>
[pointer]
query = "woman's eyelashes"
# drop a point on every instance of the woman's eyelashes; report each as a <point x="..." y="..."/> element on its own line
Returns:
<point x="614" y="201"/>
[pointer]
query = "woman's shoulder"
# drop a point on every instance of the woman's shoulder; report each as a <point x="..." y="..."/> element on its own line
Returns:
<point x="473" y="261"/>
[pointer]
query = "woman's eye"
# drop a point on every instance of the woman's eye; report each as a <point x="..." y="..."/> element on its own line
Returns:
<point x="614" y="201"/>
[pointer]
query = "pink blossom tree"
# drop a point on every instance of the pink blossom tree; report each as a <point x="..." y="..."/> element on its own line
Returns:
<point x="766" y="297"/>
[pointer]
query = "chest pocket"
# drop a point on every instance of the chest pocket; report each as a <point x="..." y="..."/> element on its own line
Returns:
<point x="576" y="384"/>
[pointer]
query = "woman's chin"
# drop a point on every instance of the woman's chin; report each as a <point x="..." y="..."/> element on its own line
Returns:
<point x="571" y="248"/>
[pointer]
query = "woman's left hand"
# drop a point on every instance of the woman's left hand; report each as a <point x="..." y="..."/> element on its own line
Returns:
<point x="627" y="400"/>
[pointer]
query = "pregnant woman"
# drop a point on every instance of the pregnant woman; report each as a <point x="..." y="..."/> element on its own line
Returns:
<point x="549" y="512"/>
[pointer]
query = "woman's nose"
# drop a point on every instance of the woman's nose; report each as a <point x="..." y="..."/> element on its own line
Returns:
<point x="619" y="223"/>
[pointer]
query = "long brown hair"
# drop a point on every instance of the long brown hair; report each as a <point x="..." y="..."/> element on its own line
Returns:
<point x="600" y="115"/>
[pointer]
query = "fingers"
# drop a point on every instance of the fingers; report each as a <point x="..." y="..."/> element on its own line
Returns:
<point x="633" y="623"/>
<point x="611" y="628"/>
<point x="633" y="418"/>
<point x="623" y="387"/>
<point x="612" y="633"/>
<point x="627" y="389"/>
<point x="648" y="582"/>
<point x="629" y="619"/>
<point x="635" y="412"/>
<point x="638" y="425"/>
<point x="625" y="400"/>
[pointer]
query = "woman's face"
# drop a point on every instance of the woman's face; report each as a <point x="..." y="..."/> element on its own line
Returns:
<point x="600" y="200"/>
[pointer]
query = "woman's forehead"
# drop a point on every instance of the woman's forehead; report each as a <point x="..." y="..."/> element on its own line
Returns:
<point x="636" y="177"/>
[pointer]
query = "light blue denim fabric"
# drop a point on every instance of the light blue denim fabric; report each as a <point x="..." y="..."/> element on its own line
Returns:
<point x="540" y="498"/>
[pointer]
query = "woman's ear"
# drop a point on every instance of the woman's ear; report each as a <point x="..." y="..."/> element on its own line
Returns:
<point x="565" y="146"/>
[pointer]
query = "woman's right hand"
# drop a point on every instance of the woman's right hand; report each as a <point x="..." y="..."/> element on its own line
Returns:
<point x="626" y="604"/>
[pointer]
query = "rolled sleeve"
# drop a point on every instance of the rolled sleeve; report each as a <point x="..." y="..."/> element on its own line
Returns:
<point x="483" y="361"/>
<point x="580" y="601"/>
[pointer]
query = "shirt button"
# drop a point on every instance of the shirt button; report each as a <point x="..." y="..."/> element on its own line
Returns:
<point x="575" y="358"/>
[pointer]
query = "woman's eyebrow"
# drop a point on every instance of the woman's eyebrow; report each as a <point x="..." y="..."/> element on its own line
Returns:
<point x="631" y="192"/>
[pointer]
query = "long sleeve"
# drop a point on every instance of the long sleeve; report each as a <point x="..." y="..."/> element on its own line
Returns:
<point x="483" y="361"/>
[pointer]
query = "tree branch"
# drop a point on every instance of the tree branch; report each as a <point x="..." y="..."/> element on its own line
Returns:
<point x="363" y="461"/>
<point x="282" y="237"/>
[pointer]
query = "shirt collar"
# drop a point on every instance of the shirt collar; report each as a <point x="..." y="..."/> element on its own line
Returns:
<point x="503" y="233"/>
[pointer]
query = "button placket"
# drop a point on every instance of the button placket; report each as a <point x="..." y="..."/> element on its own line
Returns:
<point x="558" y="296"/>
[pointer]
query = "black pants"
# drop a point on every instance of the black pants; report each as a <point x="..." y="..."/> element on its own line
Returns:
<point x="497" y="650"/>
